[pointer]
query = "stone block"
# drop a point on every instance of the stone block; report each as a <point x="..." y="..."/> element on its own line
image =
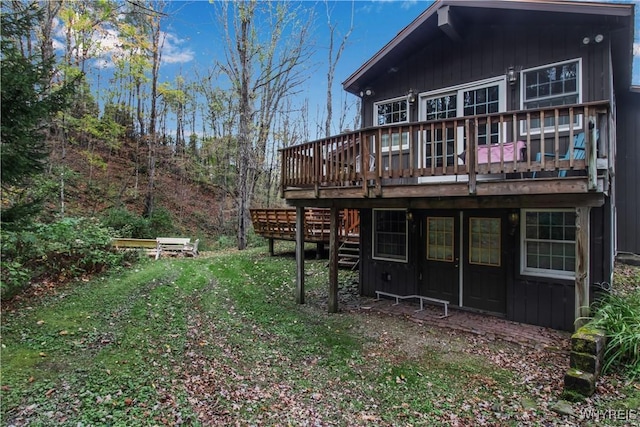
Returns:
<point x="589" y="341"/>
<point x="585" y="362"/>
<point x="580" y="382"/>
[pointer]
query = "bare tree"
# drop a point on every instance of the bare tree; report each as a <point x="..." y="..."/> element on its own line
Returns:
<point x="288" y="131"/>
<point x="264" y="65"/>
<point x="332" y="62"/>
<point x="154" y="16"/>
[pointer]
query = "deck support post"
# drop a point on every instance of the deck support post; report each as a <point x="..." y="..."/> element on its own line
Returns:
<point x="582" y="264"/>
<point x="319" y="250"/>
<point x="271" y="247"/>
<point x="592" y="154"/>
<point x="333" y="261"/>
<point x="472" y="146"/>
<point x="300" y="255"/>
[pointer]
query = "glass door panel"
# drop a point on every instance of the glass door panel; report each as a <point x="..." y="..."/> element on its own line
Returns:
<point x="485" y="100"/>
<point x="442" y="146"/>
<point x="439" y="144"/>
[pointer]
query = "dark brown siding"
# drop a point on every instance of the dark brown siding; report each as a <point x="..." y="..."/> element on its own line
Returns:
<point x="549" y="304"/>
<point x="375" y="275"/>
<point x="627" y="177"/>
<point x="600" y="250"/>
<point x="538" y="301"/>
<point x="487" y="52"/>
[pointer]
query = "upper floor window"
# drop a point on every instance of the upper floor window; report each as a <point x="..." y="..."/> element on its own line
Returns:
<point x="393" y="112"/>
<point x="549" y="86"/>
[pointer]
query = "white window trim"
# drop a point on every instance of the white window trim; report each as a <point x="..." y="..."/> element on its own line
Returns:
<point x="550" y="129"/>
<point x="540" y="272"/>
<point x="373" y="237"/>
<point x="468" y="85"/>
<point x="391" y="147"/>
<point x="501" y="81"/>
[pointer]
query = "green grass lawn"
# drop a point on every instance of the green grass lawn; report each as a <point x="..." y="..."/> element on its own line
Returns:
<point x="219" y="340"/>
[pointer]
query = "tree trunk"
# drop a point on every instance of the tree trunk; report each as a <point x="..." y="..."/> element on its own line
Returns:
<point x="152" y="138"/>
<point x="244" y="141"/>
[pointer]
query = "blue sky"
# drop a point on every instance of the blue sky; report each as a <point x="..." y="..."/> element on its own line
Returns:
<point x="374" y="24"/>
<point x="194" y="42"/>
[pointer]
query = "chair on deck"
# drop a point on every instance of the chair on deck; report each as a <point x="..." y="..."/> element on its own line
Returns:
<point x="372" y="163"/>
<point x="579" y="152"/>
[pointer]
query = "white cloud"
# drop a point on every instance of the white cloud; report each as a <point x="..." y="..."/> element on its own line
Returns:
<point x="636" y="49"/>
<point x="173" y="52"/>
<point x="106" y="45"/>
<point x="408" y="4"/>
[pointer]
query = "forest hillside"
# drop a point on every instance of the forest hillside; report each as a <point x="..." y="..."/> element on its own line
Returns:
<point x="111" y="184"/>
<point x="99" y="140"/>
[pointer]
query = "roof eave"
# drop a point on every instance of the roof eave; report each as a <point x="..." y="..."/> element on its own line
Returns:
<point x="584" y="8"/>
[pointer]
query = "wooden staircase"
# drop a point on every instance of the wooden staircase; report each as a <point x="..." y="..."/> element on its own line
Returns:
<point x="280" y="224"/>
<point x="349" y="250"/>
<point x="349" y="253"/>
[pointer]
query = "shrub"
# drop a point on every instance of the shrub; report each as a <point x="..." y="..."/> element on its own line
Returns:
<point x="127" y="224"/>
<point x="61" y="250"/>
<point x="225" y="242"/>
<point x="161" y="223"/>
<point x="619" y="316"/>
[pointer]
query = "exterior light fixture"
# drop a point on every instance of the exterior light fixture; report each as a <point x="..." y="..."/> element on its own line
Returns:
<point x="366" y="92"/>
<point x="598" y="38"/>
<point x="411" y="96"/>
<point x="514" y="220"/>
<point x="512" y="75"/>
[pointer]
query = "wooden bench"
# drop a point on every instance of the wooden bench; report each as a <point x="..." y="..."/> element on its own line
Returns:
<point x="149" y="246"/>
<point x="176" y="246"/>
<point x="420" y="297"/>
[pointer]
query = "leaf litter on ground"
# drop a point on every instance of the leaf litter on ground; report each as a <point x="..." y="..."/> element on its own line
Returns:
<point x="237" y="350"/>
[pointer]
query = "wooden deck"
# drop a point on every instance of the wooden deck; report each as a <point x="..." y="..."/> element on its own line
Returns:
<point x="484" y="155"/>
<point x="280" y="224"/>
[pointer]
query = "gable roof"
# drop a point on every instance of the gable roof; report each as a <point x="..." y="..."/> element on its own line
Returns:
<point x="426" y="26"/>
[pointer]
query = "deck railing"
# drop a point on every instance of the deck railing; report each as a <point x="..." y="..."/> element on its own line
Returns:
<point x="280" y="223"/>
<point x="538" y="143"/>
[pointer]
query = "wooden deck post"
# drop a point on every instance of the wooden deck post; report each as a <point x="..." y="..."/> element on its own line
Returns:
<point x="300" y="255"/>
<point x="333" y="261"/>
<point x="472" y="129"/>
<point x="582" y="263"/>
<point x="592" y="155"/>
<point x="271" y="248"/>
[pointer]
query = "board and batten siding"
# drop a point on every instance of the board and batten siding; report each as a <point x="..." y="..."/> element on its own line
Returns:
<point x="379" y="275"/>
<point x="487" y="52"/>
<point x="627" y="179"/>
<point x="542" y="302"/>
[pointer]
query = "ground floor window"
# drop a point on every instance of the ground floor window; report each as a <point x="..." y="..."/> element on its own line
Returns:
<point x="549" y="243"/>
<point x="390" y="234"/>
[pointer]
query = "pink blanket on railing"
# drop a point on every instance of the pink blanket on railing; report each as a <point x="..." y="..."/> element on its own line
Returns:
<point x="510" y="150"/>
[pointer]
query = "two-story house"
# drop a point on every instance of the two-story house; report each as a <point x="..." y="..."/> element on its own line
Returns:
<point x="498" y="159"/>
